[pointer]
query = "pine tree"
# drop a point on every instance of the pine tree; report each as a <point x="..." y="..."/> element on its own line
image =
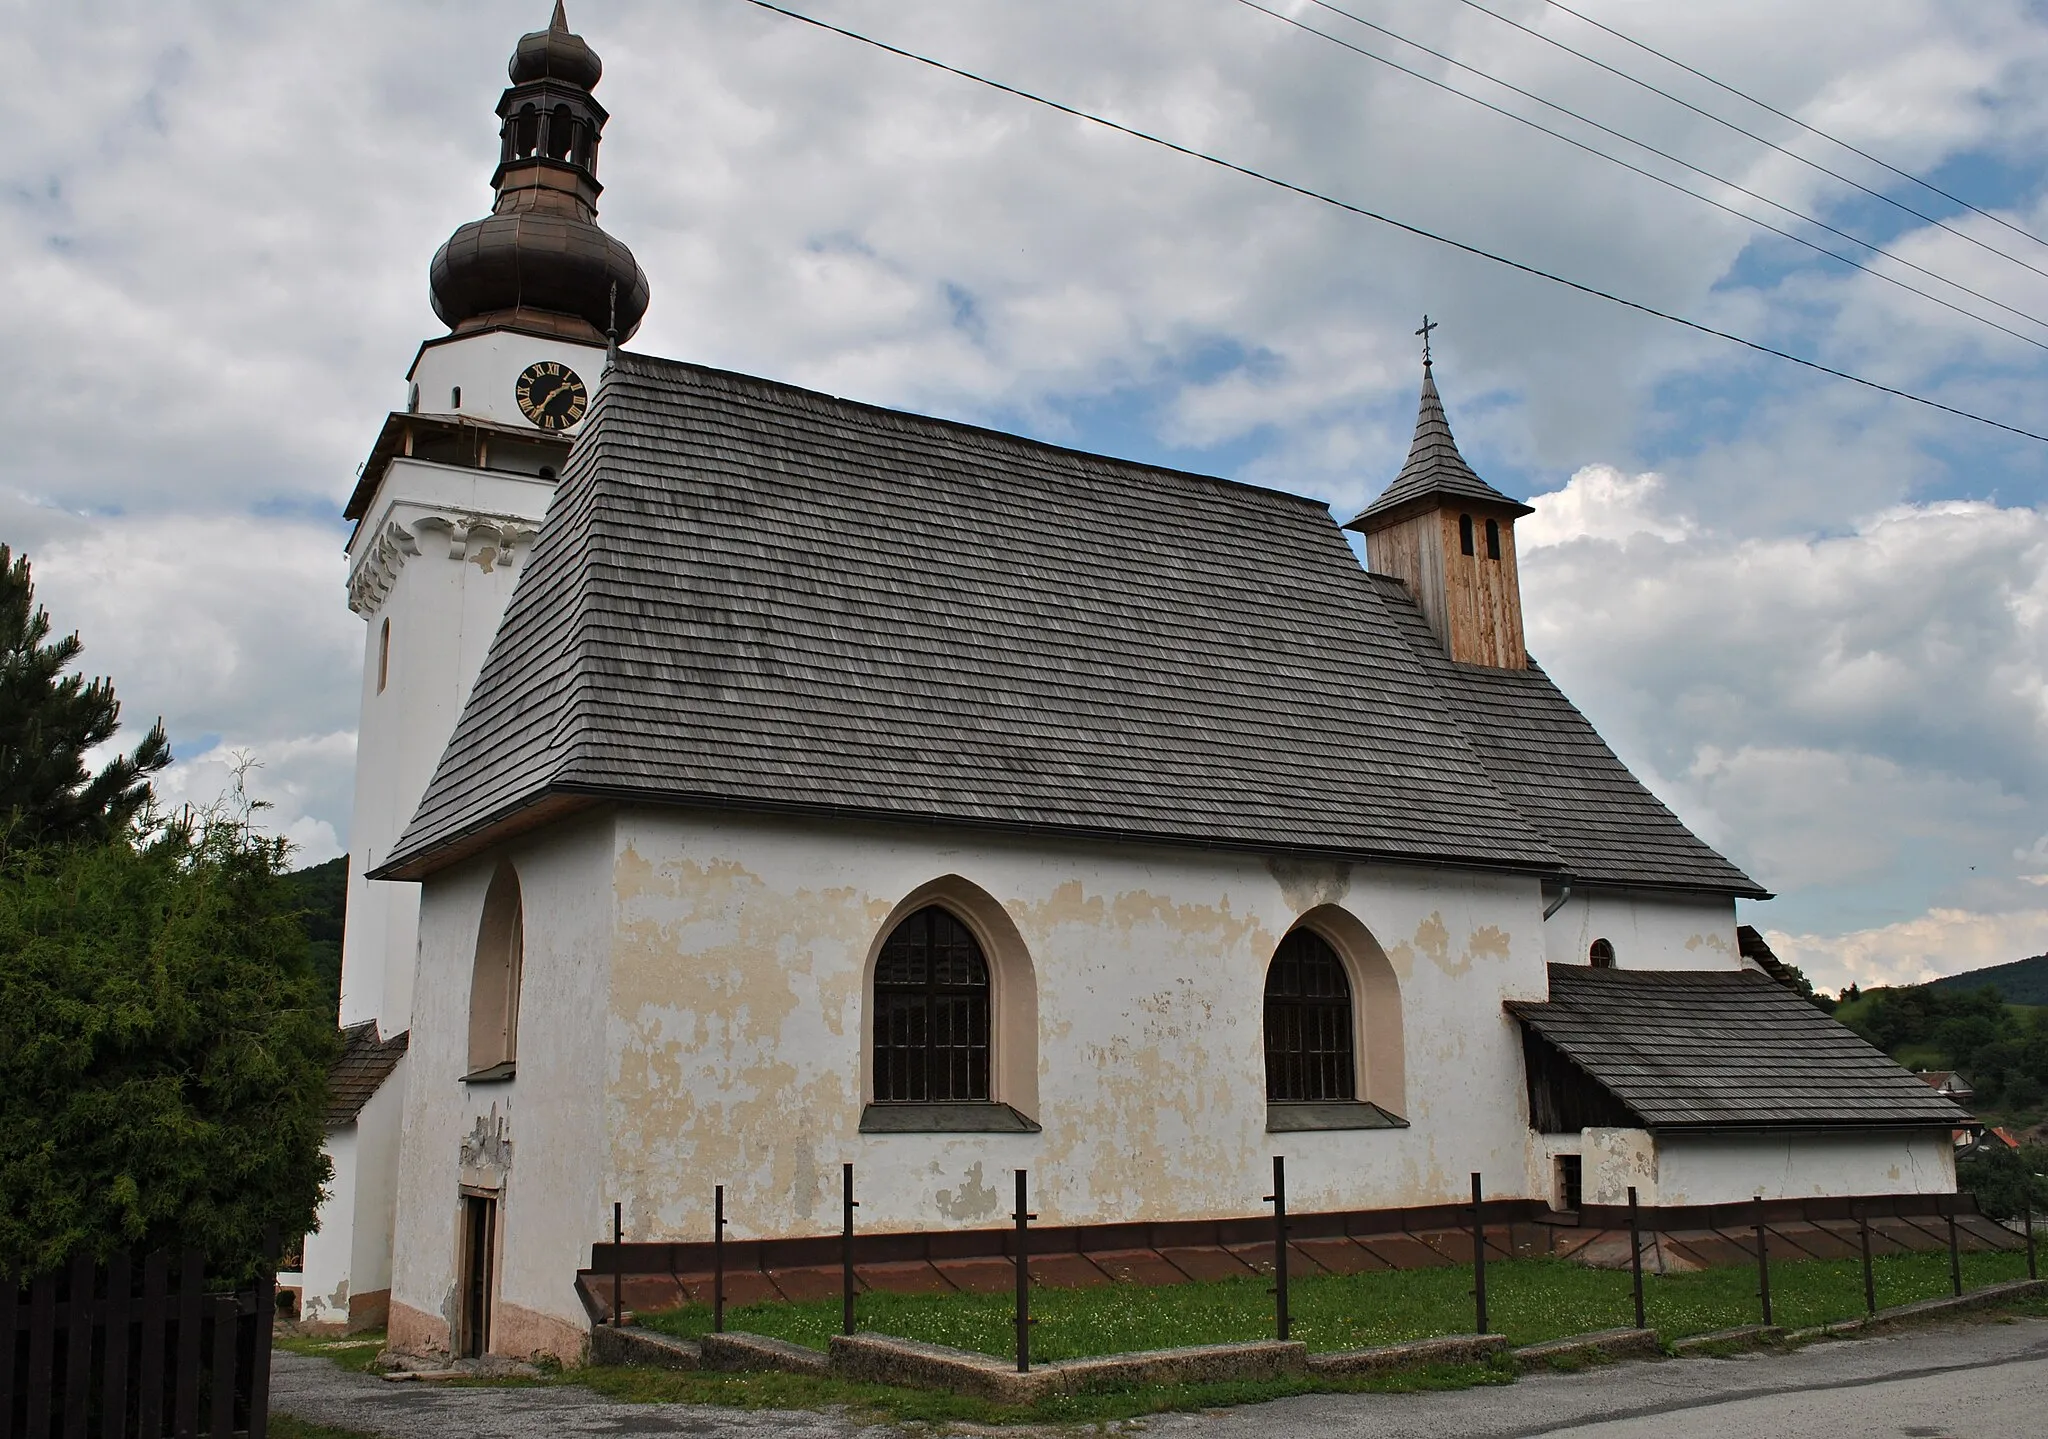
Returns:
<point x="48" y="720"/>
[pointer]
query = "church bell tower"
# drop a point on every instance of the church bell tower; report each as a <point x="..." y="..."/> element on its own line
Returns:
<point x="1451" y="537"/>
<point x="446" y="507"/>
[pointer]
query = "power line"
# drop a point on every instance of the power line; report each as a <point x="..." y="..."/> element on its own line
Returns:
<point x="1661" y="179"/>
<point x="1387" y="220"/>
<point x="1794" y="119"/>
<point x="1751" y="134"/>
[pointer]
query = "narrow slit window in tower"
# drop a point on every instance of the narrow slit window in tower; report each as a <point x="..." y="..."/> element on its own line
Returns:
<point x="1464" y="534"/>
<point x="1493" y="539"/>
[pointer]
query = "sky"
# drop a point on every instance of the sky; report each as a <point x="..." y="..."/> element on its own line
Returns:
<point x="1813" y="618"/>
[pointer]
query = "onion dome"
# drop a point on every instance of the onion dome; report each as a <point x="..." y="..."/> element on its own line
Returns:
<point x="539" y="261"/>
<point x="555" y="54"/>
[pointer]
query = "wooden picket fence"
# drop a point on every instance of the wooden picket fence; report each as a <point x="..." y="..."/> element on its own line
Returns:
<point x="134" y="1351"/>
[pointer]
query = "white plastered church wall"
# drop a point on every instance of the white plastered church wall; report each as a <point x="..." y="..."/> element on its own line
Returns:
<point x="1648" y="930"/>
<point x="1728" y="1168"/>
<point x="322" y="1278"/>
<point x="485" y="368"/>
<point x="738" y="1007"/>
<point x="536" y="1141"/>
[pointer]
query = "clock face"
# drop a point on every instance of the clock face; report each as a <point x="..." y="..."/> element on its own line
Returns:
<point x="551" y="395"/>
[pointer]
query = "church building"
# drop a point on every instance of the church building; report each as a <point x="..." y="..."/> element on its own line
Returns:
<point x="754" y="782"/>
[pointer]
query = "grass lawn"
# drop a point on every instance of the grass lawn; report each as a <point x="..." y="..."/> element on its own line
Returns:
<point x="880" y="1403"/>
<point x="1528" y="1300"/>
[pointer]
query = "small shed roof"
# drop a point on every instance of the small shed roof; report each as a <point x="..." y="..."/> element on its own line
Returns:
<point x="366" y="1062"/>
<point x="1722" y="1049"/>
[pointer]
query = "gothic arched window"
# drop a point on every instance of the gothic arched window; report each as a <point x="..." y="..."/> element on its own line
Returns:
<point x="931" y="1013"/>
<point x="1308" y="1023"/>
<point x="494" y="981"/>
<point x="1601" y="955"/>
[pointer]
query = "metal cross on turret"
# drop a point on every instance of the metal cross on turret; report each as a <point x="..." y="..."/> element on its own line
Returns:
<point x="1427" y="325"/>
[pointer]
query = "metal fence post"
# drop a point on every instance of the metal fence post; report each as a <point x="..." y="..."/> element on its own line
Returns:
<point x="1763" y="1262"/>
<point x="1278" y="1199"/>
<point x="1869" y="1274"/>
<point x="1955" y="1258"/>
<point x="1635" y="1254"/>
<point x="2027" y="1219"/>
<point x="1479" y="1251"/>
<point x="618" y="1259"/>
<point x="1023" y="1218"/>
<point x="718" y="1259"/>
<point x="846" y="1248"/>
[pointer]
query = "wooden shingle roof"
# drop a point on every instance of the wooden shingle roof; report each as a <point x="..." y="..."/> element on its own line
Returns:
<point x="1720" y="1049"/>
<point x="748" y="594"/>
<point x="366" y="1062"/>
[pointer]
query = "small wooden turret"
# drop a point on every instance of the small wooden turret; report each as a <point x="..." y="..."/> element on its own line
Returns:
<point x="1450" y="537"/>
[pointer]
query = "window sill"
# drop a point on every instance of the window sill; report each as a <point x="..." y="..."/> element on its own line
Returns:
<point x="944" y="1119"/>
<point x="494" y="1074"/>
<point x="1331" y="1114"/>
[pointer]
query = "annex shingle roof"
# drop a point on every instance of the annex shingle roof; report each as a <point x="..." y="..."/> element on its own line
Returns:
<point x="1724" y="1048"/>
<point x="1560" y="774"/>
<point x="1434" y="468"/>
<point x="366" y="1062"/>
<point x="748" y="594"/>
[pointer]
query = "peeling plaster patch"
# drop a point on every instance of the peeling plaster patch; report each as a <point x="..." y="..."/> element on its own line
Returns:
<point x="722" y="986"/>
<point x="975" y="1199"/>
<point x="1310" y="884"/>
<point x="1707" y="941"/>
<point x="1492" y="942"/>
<point x="487" y="1151"/>
<point x="1433" y="938"/>
<point x="803" y="1195"/>
<point x="1402" y="957"/>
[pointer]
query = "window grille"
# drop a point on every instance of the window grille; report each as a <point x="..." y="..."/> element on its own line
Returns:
<point x="1308" y="1023"/>
<point x="931" y="1013"/>
<point x="1601" y="955"/>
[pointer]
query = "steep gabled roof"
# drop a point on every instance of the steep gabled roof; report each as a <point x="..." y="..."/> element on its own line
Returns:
<point x="754" y="595"/>
<point x="751" y="595"/>
<point x="1435" y="471"/>
<point x="1560" y="774"/>
<point x="1725" y="1048"/>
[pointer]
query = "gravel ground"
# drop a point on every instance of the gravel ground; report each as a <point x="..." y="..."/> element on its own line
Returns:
<point x="1967" y="1381"/>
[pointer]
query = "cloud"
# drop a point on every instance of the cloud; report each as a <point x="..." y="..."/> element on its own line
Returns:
<point x="1811" y="616"/>
<point x="235" y="631"/>
<point x="1858" y="718"/>
<point x="1928" y="946"/>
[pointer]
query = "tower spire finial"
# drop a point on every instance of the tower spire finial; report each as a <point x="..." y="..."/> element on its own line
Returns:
<point x="1427" y="325"/>
<point x="561" y="20"/>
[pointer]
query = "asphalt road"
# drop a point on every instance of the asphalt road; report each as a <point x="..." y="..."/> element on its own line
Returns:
<point x="1969" y="1381"/>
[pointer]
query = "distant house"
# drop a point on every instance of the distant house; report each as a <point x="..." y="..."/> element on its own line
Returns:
<point x="1947" y="1082"/>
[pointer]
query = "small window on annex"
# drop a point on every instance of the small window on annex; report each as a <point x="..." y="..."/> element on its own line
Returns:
<point x="1601" y="955"/>
<point x="495" y="981"/>
<point x="931" y="1006"/>
<point x="383" y="655"/>
<point x="1308" y="1024"/>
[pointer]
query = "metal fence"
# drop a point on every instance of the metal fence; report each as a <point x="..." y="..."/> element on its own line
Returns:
<point x="1474" y="1219"/>
<point x="134" y="1348"/>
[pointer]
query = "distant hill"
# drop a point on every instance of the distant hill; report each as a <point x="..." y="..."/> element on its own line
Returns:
<point x="2024" y="981"/>
<point x="322" y="892"/>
